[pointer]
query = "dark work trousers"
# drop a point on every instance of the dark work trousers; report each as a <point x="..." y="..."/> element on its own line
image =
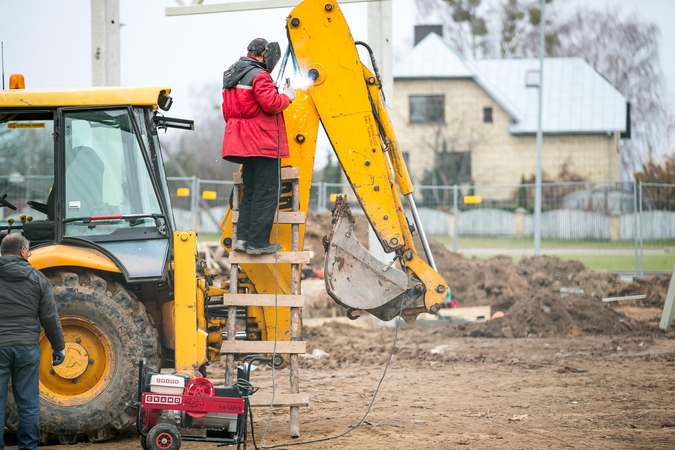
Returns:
<point x="260" y="200"/>
<point x="21" y="363"/>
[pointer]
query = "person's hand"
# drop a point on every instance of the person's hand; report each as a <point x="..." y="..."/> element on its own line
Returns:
<point x="288" y="90"/>
<point x="58" y="358"/>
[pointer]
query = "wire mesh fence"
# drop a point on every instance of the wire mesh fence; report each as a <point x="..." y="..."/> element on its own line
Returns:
<point x="638" y="217"/>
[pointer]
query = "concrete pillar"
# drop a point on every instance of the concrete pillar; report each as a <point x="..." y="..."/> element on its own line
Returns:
<point x="520" y="223"/>
<point x="614" y="227"/>
<point x="379" y="39"/>
<point x="105" y="43"/>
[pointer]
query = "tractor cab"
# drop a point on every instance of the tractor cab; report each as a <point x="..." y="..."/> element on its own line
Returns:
<point x="84" y="168"/>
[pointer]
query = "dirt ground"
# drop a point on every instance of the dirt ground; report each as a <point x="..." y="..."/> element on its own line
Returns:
<point x="557" y="371"/>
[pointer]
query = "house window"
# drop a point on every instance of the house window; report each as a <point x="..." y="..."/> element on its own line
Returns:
<point x="427" y="109"/>
<point x="487" y="115"/>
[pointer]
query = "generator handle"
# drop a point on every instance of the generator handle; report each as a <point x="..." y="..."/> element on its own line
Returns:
<point x="142" y="372"/>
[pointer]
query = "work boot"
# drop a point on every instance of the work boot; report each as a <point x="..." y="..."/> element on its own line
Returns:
<point x="269" y="248"/>
<point x="240" y="246"/>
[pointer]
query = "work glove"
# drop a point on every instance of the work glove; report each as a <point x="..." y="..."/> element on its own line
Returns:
<point x="58" y="358"/>
<point x="288" y="90"/>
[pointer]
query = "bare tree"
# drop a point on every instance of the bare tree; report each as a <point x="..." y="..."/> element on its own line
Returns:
<point x="623" y="50"/>
<point x="626" y="53"/>
<point x="465" y="23"/>
<point x="452" y="143"/>
<point x="198" y="152"/>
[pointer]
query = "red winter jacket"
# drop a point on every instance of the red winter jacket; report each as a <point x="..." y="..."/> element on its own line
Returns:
<point x="252" y="111"/>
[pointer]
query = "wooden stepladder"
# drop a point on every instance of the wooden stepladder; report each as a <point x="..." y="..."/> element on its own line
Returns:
<point x="294" y="300"/>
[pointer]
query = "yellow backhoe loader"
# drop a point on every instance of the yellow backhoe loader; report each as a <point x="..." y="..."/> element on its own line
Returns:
<point x="82" y="177"/>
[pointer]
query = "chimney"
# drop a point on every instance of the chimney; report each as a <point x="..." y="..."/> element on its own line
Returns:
<point x="421" y="31"/>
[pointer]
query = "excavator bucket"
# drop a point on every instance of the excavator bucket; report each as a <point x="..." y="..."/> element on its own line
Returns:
<point x="356" y="279"/>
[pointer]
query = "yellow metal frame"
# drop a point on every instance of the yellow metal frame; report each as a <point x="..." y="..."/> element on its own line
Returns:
<point x="191" y="335"/>
<point x="67" y="256"/>
<point x="97" y="96"/>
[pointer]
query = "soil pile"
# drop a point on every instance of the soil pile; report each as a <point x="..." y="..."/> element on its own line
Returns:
<point x="654" y="287"/>
<point x="540" y="296"/>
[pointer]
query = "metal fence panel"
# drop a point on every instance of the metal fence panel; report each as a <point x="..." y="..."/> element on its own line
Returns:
<point x="574" y="225"/>
<point x="486" y="222"/>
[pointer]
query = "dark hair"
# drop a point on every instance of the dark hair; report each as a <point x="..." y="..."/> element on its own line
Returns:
<point x="256" y="47"/>
<point x="12" y="244"/>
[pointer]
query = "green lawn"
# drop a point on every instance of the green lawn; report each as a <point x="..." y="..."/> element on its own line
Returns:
<point x="512" y="243"/>
<point x="610" y="263"/>
<point x="209" y="237"/>
<point x="598" y="261"/>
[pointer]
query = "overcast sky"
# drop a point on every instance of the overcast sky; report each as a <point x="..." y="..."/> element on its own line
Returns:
<point x="49" y="41"/>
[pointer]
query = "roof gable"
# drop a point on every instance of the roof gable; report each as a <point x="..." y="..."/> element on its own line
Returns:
<point x="432" y="58"/>
<point x="576" y="98"/>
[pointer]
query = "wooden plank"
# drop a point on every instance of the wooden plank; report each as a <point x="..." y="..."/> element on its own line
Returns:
<point x="250" y="347"/>
<point x="280" y="400"/>
<point x="279" y="258"/>
<point x="287" y="173"/>
<point x="628" y="297"/>
<point x="280" y="217"/>
<point x="669" y="306"/>
<point x="260" y="300"/>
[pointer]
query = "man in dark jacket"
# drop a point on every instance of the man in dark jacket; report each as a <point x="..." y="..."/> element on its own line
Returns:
<point x="255" y="137"/>
<point x="26" y="302"/>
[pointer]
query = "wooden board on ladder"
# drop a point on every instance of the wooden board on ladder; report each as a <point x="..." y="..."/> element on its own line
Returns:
<point x="234" y="299"/>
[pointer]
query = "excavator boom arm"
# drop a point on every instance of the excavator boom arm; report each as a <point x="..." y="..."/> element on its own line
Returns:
<point x="347" y="98"/>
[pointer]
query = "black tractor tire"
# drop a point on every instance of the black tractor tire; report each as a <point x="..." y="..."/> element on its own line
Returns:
<point x="112" y="318"/>
<point x="163" y="436"/>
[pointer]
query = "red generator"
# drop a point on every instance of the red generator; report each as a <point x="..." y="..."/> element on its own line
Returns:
<point x="168" y="403"/>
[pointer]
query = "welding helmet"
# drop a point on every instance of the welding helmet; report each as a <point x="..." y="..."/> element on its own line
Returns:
<point x="271" y="55"/>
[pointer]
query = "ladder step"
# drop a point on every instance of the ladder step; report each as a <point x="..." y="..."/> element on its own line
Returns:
<point x="280" y="258"/>
<point x="280" y="217"/>
<point x="259" y="300"/>
<point x="250" y="347"/>
<point x="280" y="400"/>
<point x="287" y="173"/>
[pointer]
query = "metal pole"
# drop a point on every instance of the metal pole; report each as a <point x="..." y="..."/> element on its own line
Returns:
<point x="537" y="188"/>
<point x="194" y="204"/>
<point x="635" y="224"/>
<point x="642" y="271"/>
<point x="420" y="230"/>
<point x="455" y="215"/>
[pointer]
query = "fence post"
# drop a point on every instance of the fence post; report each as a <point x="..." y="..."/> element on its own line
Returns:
<point x="194" y="204"/>
<point x="635" y="223"/>
<point x="455" y="219"/>
<point x="642" y="270"/>
<point x="321" y="206"/>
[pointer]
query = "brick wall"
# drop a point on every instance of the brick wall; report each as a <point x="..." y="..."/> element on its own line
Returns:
<point x="497" y="156"/>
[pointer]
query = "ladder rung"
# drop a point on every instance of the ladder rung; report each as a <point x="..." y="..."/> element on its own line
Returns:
<point x="287" y="173"/>
<point x="280" y="217"/>
<point x="280" y="400"/>
<point x="250" y="347"/>
<point x="280" y="258"/>
<point x="260" y="300"/>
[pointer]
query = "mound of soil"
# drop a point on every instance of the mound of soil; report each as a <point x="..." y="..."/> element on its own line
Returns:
<point x="655" y="287"/>
<point x="540" y="296"/>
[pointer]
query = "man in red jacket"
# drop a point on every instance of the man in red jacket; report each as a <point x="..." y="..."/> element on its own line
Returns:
<point x="255" y="137"/>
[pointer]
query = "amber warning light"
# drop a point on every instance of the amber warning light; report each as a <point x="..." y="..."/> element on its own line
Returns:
<point x="16" y="81"/>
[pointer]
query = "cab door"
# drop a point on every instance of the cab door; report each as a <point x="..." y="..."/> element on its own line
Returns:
<point x="109" y="198"/>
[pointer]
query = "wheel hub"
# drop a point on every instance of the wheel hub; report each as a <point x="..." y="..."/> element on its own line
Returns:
<point x="75" y="363"/>
<point x="86" y="370"/>
<point x="164" y="440"/>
